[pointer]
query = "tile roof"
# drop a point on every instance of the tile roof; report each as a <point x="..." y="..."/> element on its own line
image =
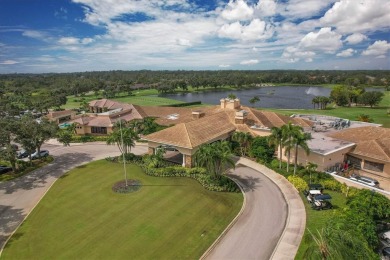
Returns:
<point x="371" y="141"/>
<point x="56" y="114"/>
<point x="194" y="133"/>
<point x="109" y="104"/>
<point x="377" y="149"/>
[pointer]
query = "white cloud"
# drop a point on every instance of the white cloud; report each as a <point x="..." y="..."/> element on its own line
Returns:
<point x="346" y="53"/>
<point x="350" y="16"/>
<point x="68" y="40"/>
<point x="87" y="40"/>
<point x="249" y="62"/>
<point x="265" y="8"/>
<point x="35" y="34"/>
<point x="256" y="30"/>
<point x="379" y="48"/>
<point x="296" y="9"/>
<point x="237" y="10"/>
<point x="324" y="40"/>
<point x="355" y="38"/>
<point x="224" y="65"/>
<point x="9" y="62"/>
<point x="293" y="54"/>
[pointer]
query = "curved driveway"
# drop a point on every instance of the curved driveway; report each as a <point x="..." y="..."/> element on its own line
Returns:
<point x="19" y="197"/>
<point x="258" y="229"/>
<point x="254" y="235"/>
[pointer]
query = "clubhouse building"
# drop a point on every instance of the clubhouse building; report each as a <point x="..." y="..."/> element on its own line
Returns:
<point x="366" y="147"/>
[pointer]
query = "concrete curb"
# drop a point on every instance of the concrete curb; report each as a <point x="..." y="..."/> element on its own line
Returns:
<point x="219" y="238"/>
<point x="292" y="234"/>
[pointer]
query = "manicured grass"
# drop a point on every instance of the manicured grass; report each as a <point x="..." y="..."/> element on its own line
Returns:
<point x="82" y="218"/>
<point x="317" y="219"/>
<point x="378" y="114"/>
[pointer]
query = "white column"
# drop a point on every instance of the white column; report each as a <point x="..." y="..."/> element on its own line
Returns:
<point x="184" y="160"/>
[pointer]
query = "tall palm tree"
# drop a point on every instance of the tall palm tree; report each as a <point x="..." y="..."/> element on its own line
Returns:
<point x="300" y="140"/>
<point x="289" y="132"/>
<point x="276" y="139"/>
<point x="215" y="157"/>
<point x="127" y="134"/>
<point x="244" y="140"/>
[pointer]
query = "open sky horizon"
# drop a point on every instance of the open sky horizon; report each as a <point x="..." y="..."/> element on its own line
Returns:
<point x="42" y="36"/>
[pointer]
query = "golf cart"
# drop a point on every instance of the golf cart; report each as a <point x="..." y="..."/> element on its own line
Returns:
<point x="321" y="202"/>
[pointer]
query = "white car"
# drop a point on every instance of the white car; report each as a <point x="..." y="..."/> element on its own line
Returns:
<point x="43" y="153"/>
<point x="386" y="236"/>
<point x="366" y="180"/>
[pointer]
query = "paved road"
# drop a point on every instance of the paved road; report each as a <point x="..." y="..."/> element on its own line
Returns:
<point x="18" y="197"/>
<point x="257" y="231"/>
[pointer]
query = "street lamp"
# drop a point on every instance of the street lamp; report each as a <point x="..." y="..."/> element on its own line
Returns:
<point x="123" y="151"/>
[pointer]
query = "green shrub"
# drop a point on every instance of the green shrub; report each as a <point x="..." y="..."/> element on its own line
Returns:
<point x="331" y="184"/>
<point x="299" y="183"/>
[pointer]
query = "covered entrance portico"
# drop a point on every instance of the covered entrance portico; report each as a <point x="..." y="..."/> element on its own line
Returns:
<point x="174" y="154"/>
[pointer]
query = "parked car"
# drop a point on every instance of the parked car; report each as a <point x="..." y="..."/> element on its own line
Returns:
<point x="43" y="153"/>
<point x="386" y="236"/>
<point x="366" y="180"/>
<point x="386" y="252"/>
<point x="23" y="154"/>
<point x="5" y="169"/>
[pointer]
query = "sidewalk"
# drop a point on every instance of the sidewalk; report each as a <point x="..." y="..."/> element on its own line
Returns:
<point x="290" y="240"/>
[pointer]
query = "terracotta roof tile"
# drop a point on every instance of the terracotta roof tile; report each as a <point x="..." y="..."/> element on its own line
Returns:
<point x="194" y="133"/>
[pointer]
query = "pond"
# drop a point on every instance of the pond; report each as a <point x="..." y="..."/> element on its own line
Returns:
<point x="295" y="97"/>
<point x="282" y="97"/>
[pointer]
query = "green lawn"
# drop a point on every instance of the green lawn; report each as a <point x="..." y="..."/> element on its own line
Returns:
<point x="378" y="114"/>
<point x="316" y="219"/>
<point x="146" y="97"/>
<point x="82" y="218"/>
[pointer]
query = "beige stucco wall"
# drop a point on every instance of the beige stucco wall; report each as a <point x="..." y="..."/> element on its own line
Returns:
<point x="323" y="161"/>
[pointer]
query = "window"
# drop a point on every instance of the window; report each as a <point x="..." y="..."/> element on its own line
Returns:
<point x="373" y="166"/>
<point x="98" y="130"/>
<point x="355" y="162"/>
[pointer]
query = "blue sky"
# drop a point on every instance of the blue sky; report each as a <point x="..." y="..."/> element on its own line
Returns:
<point x="88" y="35"/>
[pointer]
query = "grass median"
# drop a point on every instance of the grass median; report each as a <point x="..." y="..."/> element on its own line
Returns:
<point x="82" y="218"/>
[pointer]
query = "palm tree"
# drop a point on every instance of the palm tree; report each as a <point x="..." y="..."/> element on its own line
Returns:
<point x="254" y="100"/>
<point x="276" y="139"/>
<point x="315" y="101"/>
<point x="300" y="140"/>
<point x="215" y="157"/>
<point x="124" y="138"/>
<point x="289" y="132"/>
<point x="311" y="167"/>
<point x="244" y="140"/>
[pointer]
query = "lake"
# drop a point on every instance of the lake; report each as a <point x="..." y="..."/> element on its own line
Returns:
<point x="295" y="97"/>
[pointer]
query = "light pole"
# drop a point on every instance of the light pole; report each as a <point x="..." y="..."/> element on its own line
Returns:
<point x="123" y="151"/>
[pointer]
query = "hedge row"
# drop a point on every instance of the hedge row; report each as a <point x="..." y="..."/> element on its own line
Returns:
<point x="223" y="184"/>
<point x="88" y="138"/>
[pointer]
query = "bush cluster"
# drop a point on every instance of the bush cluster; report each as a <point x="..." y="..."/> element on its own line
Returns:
<point x="88" y="138"/>
<point x="222" y="183"/>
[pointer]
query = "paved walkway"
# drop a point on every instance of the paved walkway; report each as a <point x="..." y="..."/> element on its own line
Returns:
<point x="19" y="197"/>
<point x="273" y="222"/>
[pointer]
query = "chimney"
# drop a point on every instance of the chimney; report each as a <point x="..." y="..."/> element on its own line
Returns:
<point x="223" y="103"/>
<point x="241" y="117"/>
<point x="197" y="114"/>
